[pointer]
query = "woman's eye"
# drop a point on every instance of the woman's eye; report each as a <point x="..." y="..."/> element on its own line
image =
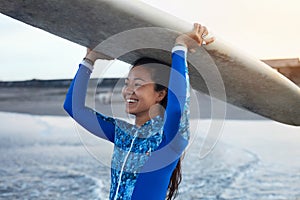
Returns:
<point x="137" y="84"/>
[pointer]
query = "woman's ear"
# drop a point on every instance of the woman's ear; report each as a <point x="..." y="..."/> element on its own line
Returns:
<point x="161" y="95"/>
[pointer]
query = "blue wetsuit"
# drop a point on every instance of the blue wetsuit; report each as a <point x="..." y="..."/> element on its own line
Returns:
<point x="144" y="157"/>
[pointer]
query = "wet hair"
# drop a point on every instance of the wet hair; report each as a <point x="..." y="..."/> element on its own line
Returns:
<point x="160" y="73"/>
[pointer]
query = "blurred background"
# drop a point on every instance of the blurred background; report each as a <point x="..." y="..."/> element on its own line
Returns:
<point x="44" y="155"/>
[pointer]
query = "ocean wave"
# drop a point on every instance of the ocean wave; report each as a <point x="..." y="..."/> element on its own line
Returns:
<point x="51" y="182"/>
<point x="43" y="158"/>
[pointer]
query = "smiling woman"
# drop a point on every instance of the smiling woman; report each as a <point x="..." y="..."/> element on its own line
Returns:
<point x="146" y="88"/>
<point x="146" y="162"/>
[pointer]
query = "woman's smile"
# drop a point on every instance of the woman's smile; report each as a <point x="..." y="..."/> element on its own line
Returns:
<point x="138" y="92"/>
<point x="130" y="102"/>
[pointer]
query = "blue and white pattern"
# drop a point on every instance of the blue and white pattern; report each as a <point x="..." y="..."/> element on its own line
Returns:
<point x="133" y="146"/>
<point x="136" y="148"/>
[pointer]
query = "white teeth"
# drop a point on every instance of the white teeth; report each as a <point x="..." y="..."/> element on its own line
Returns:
<point x="131" y="100"/>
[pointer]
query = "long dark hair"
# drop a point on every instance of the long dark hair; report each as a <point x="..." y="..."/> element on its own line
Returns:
<point x="160" y="76"/>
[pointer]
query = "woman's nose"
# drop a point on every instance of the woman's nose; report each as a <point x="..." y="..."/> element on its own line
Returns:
<point x="128" y="89"/>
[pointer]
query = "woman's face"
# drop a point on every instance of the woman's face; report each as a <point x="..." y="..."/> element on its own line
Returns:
<point x="139" y="93"/>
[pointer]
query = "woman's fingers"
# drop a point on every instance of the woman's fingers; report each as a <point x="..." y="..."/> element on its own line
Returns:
<point x="195" y="33"/>
<point x="196" y="27"/>
<point x="195" y="38"/>
<point x="200" y="33"/>
<point x="204" y="33"/>
<point x="209" y="40"/>
<point x="201" y="30"/>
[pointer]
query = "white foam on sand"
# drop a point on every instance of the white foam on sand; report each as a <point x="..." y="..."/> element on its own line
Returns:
<point x="25" y="129"/>
<point x="274" y="142"/>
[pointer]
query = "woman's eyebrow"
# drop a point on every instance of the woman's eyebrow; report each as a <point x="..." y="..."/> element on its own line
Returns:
<point x="139" y="79"/>
<point x="136" y="79"/>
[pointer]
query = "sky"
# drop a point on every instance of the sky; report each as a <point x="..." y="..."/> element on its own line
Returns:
<point x="266" y="29"/>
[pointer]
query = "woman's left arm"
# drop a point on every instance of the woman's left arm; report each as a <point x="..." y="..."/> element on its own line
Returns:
<point x="176" y="115"/>
<point x="176" y="126"/>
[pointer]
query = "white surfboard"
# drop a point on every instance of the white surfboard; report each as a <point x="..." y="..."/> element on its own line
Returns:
<point x="129" y="29"/>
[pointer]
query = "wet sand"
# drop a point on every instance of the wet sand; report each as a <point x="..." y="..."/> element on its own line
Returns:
<point x="49" y="101"/>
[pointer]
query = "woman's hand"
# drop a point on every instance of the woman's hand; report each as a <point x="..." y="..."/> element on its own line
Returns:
<point x="194" y="38"/>
<point x="94" y="55"/>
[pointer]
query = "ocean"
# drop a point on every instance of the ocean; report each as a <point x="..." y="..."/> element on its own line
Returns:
<point x="49" y="157"/>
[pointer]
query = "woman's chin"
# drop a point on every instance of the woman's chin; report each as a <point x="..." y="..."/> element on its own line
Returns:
<point x="129" y="111"/>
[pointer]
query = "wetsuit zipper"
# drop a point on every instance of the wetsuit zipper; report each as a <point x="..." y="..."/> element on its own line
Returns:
<point x="123" y="165"/>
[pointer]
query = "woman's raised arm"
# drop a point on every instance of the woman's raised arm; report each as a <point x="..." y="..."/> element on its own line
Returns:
<point x="176" y="121"/>
<point x="98" y="124"/>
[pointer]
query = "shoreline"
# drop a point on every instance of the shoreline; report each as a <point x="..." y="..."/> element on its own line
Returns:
<point x="49" y="101"/>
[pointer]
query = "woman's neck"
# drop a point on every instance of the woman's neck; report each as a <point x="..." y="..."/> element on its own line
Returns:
<point x="142" y="118"/>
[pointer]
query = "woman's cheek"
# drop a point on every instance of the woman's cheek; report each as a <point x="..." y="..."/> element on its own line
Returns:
<point x="138" y="90"/>
<point x="123" y="93"/>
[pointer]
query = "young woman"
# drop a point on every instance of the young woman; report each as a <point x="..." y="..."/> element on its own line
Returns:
<point x="146" y="158"/>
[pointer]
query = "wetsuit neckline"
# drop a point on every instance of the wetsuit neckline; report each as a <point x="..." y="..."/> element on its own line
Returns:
<point x="150" y="121"/>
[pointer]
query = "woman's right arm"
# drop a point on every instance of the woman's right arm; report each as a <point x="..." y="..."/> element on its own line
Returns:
<point x="98" y="124"/>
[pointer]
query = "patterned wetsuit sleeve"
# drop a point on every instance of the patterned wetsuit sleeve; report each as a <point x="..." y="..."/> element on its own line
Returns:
<point x="98" y="124"/>
<point x="177" y="111"/>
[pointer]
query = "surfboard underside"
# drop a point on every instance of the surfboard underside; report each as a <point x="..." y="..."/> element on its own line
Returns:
<point x="134" y="30"/>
